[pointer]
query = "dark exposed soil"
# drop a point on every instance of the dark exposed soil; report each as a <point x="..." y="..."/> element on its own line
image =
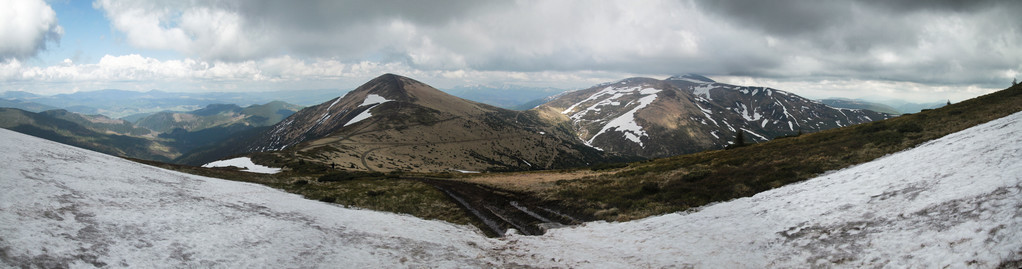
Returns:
<point x="500" y="210"/>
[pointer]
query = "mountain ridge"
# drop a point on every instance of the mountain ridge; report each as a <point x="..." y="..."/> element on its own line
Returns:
<point x="690" y="113"/>
<point x="397" y="123"/>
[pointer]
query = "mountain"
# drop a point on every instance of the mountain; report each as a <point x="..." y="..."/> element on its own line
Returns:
<point x="910" y="107"/>
<point x="397" y="123"/>
<point x="17" y="95"/>
<point x="883" y="106"/>
<point x="99" y="123"/>
<point x="25" y="105"/>
<point x="164" y="136"/>
<point x="121" y="103"/>
<point x="507" y="96"/>
<point x="689" y="113"/>
<point x="218" y="115"/>
<point x="60" y="126"/>
<point x="860" y="104"/>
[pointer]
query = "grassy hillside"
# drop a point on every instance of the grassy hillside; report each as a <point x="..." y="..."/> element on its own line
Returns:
<point x="677" y="183"/>
<point x="370" y="190"/>
<point x="49" y="127"/>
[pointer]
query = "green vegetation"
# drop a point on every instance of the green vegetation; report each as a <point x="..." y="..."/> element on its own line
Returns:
<point x="678" y="183"/>
<point x="369" y="190"/>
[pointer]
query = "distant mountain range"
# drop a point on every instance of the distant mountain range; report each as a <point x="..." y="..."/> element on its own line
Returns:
<point x="509" y="96"/>
<point x="163" y="136"/>
<point x="133" y="105"/>
<point x="890" y="107"/>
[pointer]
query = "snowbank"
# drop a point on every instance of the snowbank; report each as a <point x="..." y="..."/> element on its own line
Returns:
<point x="66" y="207"/>
<point x="243" y="162"/>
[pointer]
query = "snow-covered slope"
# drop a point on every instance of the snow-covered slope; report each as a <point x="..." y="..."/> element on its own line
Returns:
<point x="953" y="202"/>
<point x="66" y="207"/>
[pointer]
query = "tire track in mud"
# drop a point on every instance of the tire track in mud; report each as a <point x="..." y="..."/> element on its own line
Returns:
<point x="500" y="210"/>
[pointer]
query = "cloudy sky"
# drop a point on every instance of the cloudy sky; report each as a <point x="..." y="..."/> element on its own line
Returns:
<point x="907" y="49"/>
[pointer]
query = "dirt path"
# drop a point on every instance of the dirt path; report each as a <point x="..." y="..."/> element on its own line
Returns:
<point x="501" y="210"/>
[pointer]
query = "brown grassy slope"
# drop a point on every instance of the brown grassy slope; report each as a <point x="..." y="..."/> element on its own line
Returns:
<point x="677" y="183"/>
<point x="369" y="191"/>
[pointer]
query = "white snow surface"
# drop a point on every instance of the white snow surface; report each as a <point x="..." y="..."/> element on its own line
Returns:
<point x="371" y="100"/>
<point x="62" y="206"/>
<point x="625" y="123"/>
<point x="953" y="202"/>
<point x="361" y="116"/>
<point x="244" y="162"/>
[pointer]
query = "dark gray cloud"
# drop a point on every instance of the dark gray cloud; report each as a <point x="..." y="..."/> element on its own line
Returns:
<point x="783" y="17"/>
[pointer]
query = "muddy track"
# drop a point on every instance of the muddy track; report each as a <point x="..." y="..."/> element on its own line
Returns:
<point x="500" y="210"/>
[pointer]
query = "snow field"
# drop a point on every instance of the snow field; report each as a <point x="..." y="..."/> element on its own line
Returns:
<point x="66" y="207"/>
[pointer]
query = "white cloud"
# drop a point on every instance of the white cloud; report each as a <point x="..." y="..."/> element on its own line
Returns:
<point x="26" y="27"/>
<point x="136" y="72"/>
<point x="210" y="32"/>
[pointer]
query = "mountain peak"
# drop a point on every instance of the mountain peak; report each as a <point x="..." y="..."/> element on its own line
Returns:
<point x="692" y="77"/>
<point x="395" y="87"/>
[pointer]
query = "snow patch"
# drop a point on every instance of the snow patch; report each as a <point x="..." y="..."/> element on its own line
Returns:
<point x="626" y="122"/>
<point x="361" y="116"/>
<point x="703" y="90"/>
<point x="243" y="162"/>
<point x="373" y="99"/>
<point x="755" y="134"/>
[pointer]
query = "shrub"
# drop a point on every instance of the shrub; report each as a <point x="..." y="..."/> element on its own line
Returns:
<point x="345" y="176"/>
<point x="608" y="166"/>
<point x="328" y="199"/>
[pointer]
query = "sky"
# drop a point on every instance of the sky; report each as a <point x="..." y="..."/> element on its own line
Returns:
<point x="899" y="49"/>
